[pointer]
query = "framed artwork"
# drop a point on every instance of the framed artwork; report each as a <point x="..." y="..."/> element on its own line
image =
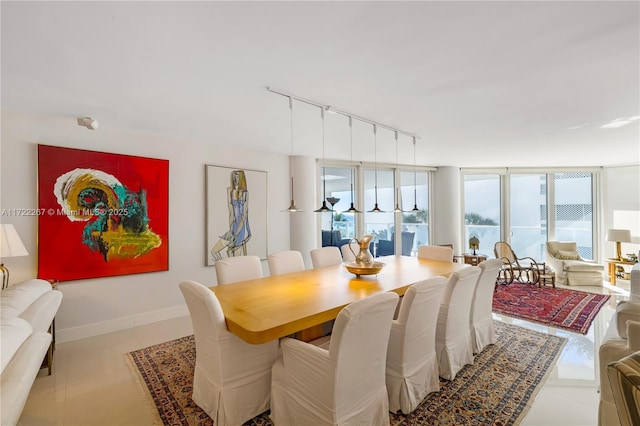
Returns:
<point x="101" y="214"/>
<point x="236" y="213"/>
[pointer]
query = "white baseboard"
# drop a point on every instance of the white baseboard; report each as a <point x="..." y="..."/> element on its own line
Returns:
<point x="98" y="328"/>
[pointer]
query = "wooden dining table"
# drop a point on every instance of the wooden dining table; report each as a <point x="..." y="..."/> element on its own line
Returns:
<point x="269" y="308"/>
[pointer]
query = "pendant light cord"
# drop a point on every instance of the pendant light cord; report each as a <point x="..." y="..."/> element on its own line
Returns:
<point x="415" y="202"/>
<point x="291" y="155"/>
<point x="351" y="155"/>
<point x="324" y="178"/>
<point x="397" y="208"/>
<point x="375" y="159"/>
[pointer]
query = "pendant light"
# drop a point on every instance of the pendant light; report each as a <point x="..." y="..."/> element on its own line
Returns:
<point x="352" y="209"/>
<point x="415" y="205"/>
<point x="292" y="208"/>
<point x="397" y="209"/>
<point x="324" y="207"/>
<point x="375" y="208"/>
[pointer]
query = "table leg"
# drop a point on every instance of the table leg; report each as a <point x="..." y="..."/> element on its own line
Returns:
<point x="612" y="273"/>
<point x="310" y="333"/>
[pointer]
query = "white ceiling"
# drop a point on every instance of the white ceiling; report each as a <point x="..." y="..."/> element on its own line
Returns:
<point x="516" y="84"/>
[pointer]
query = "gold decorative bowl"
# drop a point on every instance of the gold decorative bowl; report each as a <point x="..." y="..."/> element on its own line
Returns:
<point x="364" y="268"/>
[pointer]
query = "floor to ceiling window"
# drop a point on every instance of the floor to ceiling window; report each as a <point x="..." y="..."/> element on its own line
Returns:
<point x="414" y="193"/>
<point x="528" y="214"/>
<point x="412" y="189"/>
<point x="526" y="209"/>
<point x="337" y="184"/>
<point x="482" y="210"/>
<point x="573" y="210"/>
<point x="379" y="188"/>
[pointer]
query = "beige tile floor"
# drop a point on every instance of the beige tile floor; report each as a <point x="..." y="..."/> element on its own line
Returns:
<point x="91" y="383"/>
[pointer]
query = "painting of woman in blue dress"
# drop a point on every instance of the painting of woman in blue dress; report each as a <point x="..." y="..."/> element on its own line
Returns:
<point x="234" y="241"/>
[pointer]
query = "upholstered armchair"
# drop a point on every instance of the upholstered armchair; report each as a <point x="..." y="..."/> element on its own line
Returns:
<point x="570" y="267"/>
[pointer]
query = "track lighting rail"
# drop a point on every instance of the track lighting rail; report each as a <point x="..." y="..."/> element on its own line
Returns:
<point x="329" y="108"/>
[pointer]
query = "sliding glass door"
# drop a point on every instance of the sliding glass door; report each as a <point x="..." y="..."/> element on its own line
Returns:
<point x="528" y="214"/>
<point x="384" y="184"/>
<point x="482" y="210"/>
<point x="379" y="187"/>
<point x="414" y="192"/>
<point x="337" y="182"/>
<point x="526" y="209"/>
<point x="573" y="210"/>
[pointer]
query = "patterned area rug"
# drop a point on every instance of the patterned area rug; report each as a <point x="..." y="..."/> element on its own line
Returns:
<point x="555" y="307"/>
<point x="496" y="390"/>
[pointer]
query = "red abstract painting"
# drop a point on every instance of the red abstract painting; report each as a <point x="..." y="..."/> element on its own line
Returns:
<point x="101" y="214"/>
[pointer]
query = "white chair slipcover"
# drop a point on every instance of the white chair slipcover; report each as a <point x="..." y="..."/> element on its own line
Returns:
<point x="412" y="365"/>
<point x="239" y="268"/>
<point x="326" y="256"/>
<point x="285" y="262"/>
<point x="436" y="253"/>
<point x="453" y="335"/>
<point x="342" y="382"/>
<point x="232" y="378"/>
<point x="483" y="332"/>
<point x="347" y="256"/>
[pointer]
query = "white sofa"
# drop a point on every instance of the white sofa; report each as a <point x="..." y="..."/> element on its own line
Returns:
<point x="621" y="339"/>
<point x="570" y="268"/>
<point x="27" y="310"/>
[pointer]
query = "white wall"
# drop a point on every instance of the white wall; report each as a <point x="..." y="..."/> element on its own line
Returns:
<point x="622" y="206"/>
<point x="96" y="306"/>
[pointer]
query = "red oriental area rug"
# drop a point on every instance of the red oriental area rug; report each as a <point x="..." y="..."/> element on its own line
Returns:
<point x="555" y="307"/>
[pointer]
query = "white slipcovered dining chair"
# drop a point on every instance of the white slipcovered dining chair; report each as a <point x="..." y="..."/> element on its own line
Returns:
<point x="483" y="331"/>
<point x="232" y="378"/>
<point x="347" y="255"/>
<point x="436" y="253"/>
<point x="238" y="268"/>
<point x="285" y="262"/>
<point x="325" y="256"/>
<point x="342" y="381"/>
<point x="412" y="365"/>
<point x="453" y="335"/>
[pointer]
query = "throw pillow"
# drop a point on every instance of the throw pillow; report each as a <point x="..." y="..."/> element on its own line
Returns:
<point x="567" y="255"/>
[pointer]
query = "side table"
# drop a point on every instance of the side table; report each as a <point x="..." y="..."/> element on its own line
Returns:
<point x="612" y="263"/>
<point x="547" y="276"/>
<point x="474" y="259"/>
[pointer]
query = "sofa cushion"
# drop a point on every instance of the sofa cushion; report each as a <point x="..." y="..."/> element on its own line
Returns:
<point x="13" y="333"/>
<point x="41" y="312"/>
<point x="567" y="255"/>
<point x="18" y="377"/>
<point x="626" y="311"/>
<point x="15" y="299"/>
<point x="581" y="266"/>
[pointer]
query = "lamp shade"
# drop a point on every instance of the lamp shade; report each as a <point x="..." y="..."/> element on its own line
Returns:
<point x="10" y="242"/>
<point x="619" y="235"/>
<point x="474" y="243"/>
